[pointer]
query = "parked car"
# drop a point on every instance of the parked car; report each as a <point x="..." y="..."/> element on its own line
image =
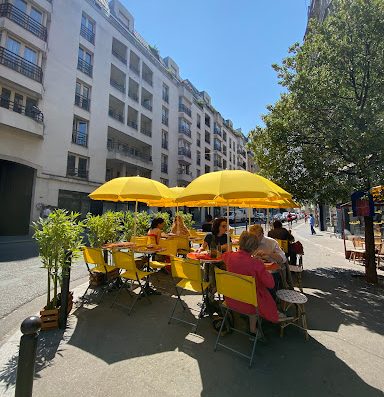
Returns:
<point x="236" y="215"/>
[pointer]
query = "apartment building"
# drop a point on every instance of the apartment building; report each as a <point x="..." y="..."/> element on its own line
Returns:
<point x="84" y="98"/>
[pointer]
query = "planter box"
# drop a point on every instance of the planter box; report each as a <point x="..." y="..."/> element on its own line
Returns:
<point x="97" y="279"/>
<point x="50" y="318"/>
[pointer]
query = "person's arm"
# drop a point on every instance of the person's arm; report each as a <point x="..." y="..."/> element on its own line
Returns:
<point x="206" y="242"/>
<point x="278" y="254"/>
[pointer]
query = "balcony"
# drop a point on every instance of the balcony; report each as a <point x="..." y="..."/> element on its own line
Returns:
<point x="31" y="111"/>
<point x="22" y="19"/>
<point x="21" y="65"/>
<point x="147" y="77"/>
<point x="117" y="85"/>
<point x="77" y="173"/>
<point x="135" y="69"/>
<point x="133" y="96"/>
<point x="147" y="105"/>
<point x="164" y="144"/>
<point x="164" y="120"/>
<point x="116" y="115"/>
<point x="184" y="176"/>
<point x="185" y="130"/>
<point x="117" y="150"/>
<point x="165" y="98"/>
<point x="217" y="130"/>
<point x="87" y="34"/>
<point x="146" y="131"/>
<point x="182" y="151"/>
<point x="80" y="138"/>
<point x="119" y="56"/>
<point x="84" y="67"/>
<point x="82" y="101"/>
<point x="184" y="109"/>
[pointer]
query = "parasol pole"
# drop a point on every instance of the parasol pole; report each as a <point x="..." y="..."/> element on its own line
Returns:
<point x="135" y="223"/>
<point x="228" y="248"/>
<point x="249" y="218"/>
<point x="267" y="225"/>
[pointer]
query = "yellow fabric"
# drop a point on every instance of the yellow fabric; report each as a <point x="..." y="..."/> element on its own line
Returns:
<point x="129" y="275"/>
<point x="283" y="244"/>
<point x="102" y="269"/>
<point x="236" y="286"/>
<point x="132" y="188"/>
<point x="223" y="186"/>
<point x="93" y="256"/>
<point x="182" y="243"/>
<point x="186" y="269"/>
<point x="140" y="241"/>
<point x="124" y="260"/>
<point x="193" y="286"/>
<point x="170" y="250"/>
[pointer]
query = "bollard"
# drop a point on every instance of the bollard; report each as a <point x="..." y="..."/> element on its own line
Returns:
<point x="30" y="328"/>
<point x="65" y="291"/>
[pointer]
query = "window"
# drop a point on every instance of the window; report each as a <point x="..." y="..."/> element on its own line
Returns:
<point x="198" y="140"/>
<point x="84" y="63"/>
<point x="82" y="95"/>
<point x="198" y="158"/>
<point x="21" y="5"/>
<point x="164" y="139"/>
<point x="147" y="74"/>
<point x="77" y="166"/>
<point x="5" y="98"/>
<point x="164" y="163"/>
<point x="207" y="169"/>
<point x="87" y="23"/>
<point x="85" y="55"/>
<point x="198" y="172"/>
<point x="80" y="132"/>
<point x="207" y="121"/>
<point x="224" y="135"/>
<point x="207" y="137"/>
<point x="165" y="93"/>
<point x="123" y="19"/>
<point x="36" y="15"/>
<point x="164" y="181"/>
<point x="87" y="29"/>
<point x="198" y="122"/>
<point x="13" y="45"/>
<point x="207" y="154"/>
<point x="18" y="103"/>
<point x="164" y="115"/>
<point x="30" y="55"/>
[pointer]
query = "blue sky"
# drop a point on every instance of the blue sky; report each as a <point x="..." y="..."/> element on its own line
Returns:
<point x="225" y="47"/>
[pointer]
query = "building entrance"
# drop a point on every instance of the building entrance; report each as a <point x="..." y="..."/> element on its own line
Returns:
<point x="16" y="184"/>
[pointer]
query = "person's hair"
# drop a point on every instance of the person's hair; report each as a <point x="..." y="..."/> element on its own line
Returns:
<point x="155" y="222"/>
<point x="277" y="224"/>
<point x="256" y="229"/>
<point x="248" y="242"/>
<point x="208" y="218"/>
<point x="216" y="225"/>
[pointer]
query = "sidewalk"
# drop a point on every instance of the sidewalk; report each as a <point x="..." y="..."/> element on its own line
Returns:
<point x="105" y="352"/>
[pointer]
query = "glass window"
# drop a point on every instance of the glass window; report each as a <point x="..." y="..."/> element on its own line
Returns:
<point x="86" y="22"/>
<point x="82" y="165"/>
<point x="82" y="126"/>
<point x="30" y="55"/>
<point x="13" y="45"/>
<point x="21" y="5"/>
<point x="36" y="15"/>
<point x="5" y="98"/>
<point x="18" y="103"/>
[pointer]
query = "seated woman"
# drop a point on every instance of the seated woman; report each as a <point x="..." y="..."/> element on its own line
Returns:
<point x="178" y="227"/>
<point x="156" y="230"/>
<point x="218" y="236"/>
<point x="242" y="262"/>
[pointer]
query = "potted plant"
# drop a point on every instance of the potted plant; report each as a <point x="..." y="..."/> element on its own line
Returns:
<point x="105" y="228"/>
<point x="57" y="235"/>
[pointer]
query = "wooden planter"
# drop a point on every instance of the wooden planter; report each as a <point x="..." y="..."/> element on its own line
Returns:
<point x="50" y="317"/>
<point x="97" y="279"/>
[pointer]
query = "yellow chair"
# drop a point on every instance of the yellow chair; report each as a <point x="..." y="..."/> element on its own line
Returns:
<point x="190" y="273"/>
<point x="241" y="288"/>
<point x="126" y="262"/>
<point x="170" y="250"/>
<point x="193" y="233"/>
<point x="183" y="246"/>
<point x="283" y="244"/>
<point x="140" y="241"/>
<point x="94" y="260"/>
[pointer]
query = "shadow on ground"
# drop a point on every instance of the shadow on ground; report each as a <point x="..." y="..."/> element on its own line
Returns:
<point x="14" y="251"/>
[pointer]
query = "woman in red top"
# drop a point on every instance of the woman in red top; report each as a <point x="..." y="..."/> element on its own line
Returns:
<point x="241" y="262"/>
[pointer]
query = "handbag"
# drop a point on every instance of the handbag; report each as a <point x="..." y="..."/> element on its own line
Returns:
<point x="297" y="248"/>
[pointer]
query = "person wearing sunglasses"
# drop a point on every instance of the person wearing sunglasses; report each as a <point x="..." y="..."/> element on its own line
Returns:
<point x="218" y="237"/>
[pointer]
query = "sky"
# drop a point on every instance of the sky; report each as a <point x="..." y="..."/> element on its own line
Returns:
<point x="225" y="47"/>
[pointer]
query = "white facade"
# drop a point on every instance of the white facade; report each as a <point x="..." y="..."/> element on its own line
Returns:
<point x="85" y="99"/>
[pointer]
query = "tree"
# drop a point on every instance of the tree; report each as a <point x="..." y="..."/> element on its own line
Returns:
<point x="324" y="137"/>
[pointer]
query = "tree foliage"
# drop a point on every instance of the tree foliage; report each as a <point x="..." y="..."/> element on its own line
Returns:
<point x="324" y="137"/>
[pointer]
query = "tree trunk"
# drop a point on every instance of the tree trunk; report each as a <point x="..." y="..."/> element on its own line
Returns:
<point x="370" y="262"/>
<point x="321" y="217"/>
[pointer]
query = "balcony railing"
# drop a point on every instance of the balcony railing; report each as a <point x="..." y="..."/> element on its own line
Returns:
<point x="165" y="98"/>
<point x="133" y="96"/>
<point x="117" y="85"/>
<point x="31" y="111"/>
<point x="184" y="109"/>
<point x="82" y="101"/>
<point x="128" y="151"/>
<point x="164" y="144"/>
<point x="147" y="105"/>
<point x="116" y="115"/>
<point x="13" y="13"/>
<point x="217" y="163"/>
<point x="217" y="131"/>
<point x="184" y="130"/>
<point x="164" y="168"/>
<point x="120" y="57"/>
<point x="164" y="120"/>
<point x="134" y="68"/>
<point x="184" y="152"/>
<point x="21" y="65"/>
<point x="80" y="138"/>
<point x="184" y="173"/>
<point x="217" y="147"/>
<point x="146" y="131"/>
<point x="132" y="124"/>
<point x="77" y="172"/>
<point x="84" y="67"/>
<point x="87" y="34"/>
